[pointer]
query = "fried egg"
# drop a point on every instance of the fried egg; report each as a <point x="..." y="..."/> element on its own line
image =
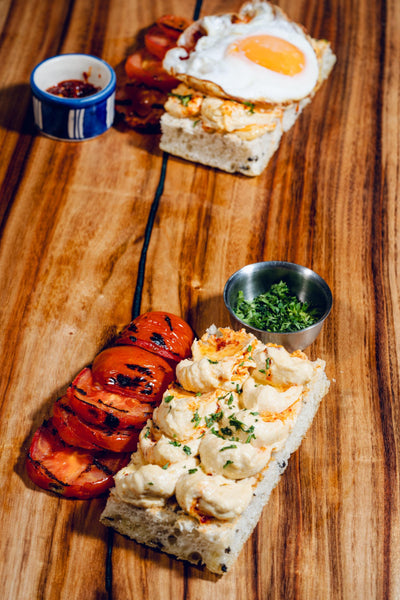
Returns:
<point x="260" y="57"/>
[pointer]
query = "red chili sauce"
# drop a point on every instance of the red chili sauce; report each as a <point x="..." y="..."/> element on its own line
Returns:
<point x="74" y="88"/>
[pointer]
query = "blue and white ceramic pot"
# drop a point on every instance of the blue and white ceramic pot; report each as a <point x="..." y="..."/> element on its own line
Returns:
<point x="73" y="119"/>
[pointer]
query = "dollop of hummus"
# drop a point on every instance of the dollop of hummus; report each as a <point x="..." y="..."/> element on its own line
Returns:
<point x="234" y="404"/>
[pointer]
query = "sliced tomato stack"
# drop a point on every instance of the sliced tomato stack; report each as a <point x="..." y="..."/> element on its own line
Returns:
<point x="96" y="424"/>
<point x="141" y="98"/>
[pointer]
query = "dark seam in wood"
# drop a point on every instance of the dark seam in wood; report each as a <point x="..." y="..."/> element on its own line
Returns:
<point x="137" y="299"/>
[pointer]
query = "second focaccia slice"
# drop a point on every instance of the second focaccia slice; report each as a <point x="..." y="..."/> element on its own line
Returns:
<point x="246" y="78"/>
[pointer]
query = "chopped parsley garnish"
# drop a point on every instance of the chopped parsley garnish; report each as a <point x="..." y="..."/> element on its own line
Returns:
<point x="175" y="443"/>
<point x="228" y="397"/>
<point x="234" y="421"/>
<point x="165" y="466"/>
<point x="187" y="450"/>
<point x="226" y="431"/>
<point x="228" y="447"/>
<point x="213" y="418"/>
<point x="216" y="432"/>
<point x="240" y="426"/>
<point x="277" y="310"/>
<point x="147" y="433"/>
<point x="228" y="462"/>
<point x="212" y="362"/>
<point x="196" y="419"/>
<point x="184" y="99"/>
<point x="191" y="471"/>
<point x="250" y="106"/>
<point x="168" y="399"/>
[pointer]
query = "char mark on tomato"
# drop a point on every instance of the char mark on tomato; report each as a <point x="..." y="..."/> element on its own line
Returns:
<point x="47" y="429"/>
<point x="62" y="415"/>
<point x="101" y="466"/>
<point x="111" y="421"/>
<point x="53" y="484"/>
<point x="70" y="471"/>
<point x="158" y="339"/>
<point x="168" y="322"/>
<point x="140" y="369"/>
<point x="130" y="384"/>
<point x="116" y="440"/>
<point x="101" y="407"/>
<point x="131" y="370"/>
<point x="163" y="333"/>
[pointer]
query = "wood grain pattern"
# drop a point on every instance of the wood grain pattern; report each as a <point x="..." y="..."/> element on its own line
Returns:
<point x="73" y="219"/>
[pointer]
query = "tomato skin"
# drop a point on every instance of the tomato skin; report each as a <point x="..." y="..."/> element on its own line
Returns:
<point x="172" y="25"/>
<point x="96" y="425"/>
<point x="157" y="42"/>
<point x="95" y="405"/>
<point x="160" y="332"/>
<point x="115" y="440"/>
<point x="68" y="471"/>
<point x="143" y="67"/>
<point x="61" y="422"/>
<point x="133" y="371"/>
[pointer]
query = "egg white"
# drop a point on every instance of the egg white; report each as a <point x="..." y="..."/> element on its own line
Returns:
<point x="236" y="75"/>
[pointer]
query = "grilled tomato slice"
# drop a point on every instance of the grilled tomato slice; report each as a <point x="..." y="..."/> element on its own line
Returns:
<point x="95" y="405"/>
<point x="157" y="42"/>
<point x="143" y="67"/>
<point x="172" y="25"/>
<point x="160" y="332"/>
<point x="61" y="421"/>
<point x="133" y="371"/>
<point x="106" y="438"/>
<point x="69" y="471"/>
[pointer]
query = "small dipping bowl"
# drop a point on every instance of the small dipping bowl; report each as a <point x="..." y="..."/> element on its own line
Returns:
<point x="302" y="282"/>
<point x="73" y="119"/>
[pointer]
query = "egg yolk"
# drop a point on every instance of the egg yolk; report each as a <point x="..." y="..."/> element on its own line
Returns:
<point x="271" y="52"/>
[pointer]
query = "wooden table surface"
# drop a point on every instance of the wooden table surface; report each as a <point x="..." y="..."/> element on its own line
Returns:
<point x="74" y="220"/>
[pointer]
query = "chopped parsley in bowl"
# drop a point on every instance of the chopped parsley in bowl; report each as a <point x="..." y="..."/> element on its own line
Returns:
<point x="279" y="302"/>
<point x="276" y="310"/>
